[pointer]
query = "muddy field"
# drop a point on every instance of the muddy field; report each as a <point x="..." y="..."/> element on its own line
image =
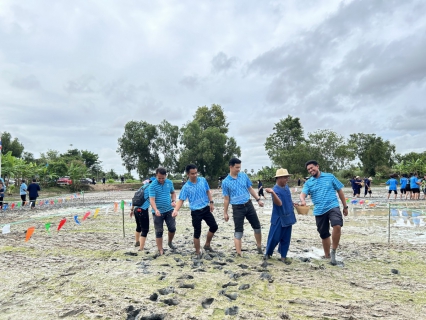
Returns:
<point x="90" y="271"/>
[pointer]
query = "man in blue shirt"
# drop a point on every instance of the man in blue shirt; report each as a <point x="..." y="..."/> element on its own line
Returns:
<point x="199" y="196"/>
<point x="403" y="182"/>
<point x="323" y="187"/>
<point x="393" y="186"/>
<point x="33" y="190"/>
<point x="282" y="218"/>
<point x="236" y="189"/>
<point x="162" y="197"/>
<point x="415" y="186"/>
<point x="142" y="218"/>
<point x="23" y="192"/>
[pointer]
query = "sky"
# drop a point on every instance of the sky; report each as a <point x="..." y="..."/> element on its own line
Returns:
<point x="75" y="72"/>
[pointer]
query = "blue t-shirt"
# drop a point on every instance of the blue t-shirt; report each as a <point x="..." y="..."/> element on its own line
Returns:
<point x="23" y="189"/>
<point x="2" y="192"/>
<point x="146" y="203"/>
<point x="413" y="184"/>
<point x="403" y="181"/>
<point x="237" y="188"/>
<point x="161" y="193"/>
<point x="323" y="192"/>
<point x="392" y="183"/>
<point x="367" y="183"/>
<point x="196" y="193"/>
<point x="283" y="214"/>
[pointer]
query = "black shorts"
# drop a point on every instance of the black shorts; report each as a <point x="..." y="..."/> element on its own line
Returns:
<point x="403" y="190"/>
<point x="260" y="192"/>
<point x="159" y="221"/>
<point x="415" y="190"/>
<point x="408" y="188"/>
<point x="203" y="214"/>
<point x="395" y="191"/>
<point x="246" y="210"/>
<point x="333" y="217"/>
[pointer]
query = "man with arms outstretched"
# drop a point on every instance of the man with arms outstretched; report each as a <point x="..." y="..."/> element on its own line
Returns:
<point x="322" y="188"/>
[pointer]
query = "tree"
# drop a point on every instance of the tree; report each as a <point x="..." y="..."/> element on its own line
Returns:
<point x="167" y="145"/>
<point x="286" y="146"/>
<point x="11" y="145"/>
<point x="372" y="152"/>
<point x="206" y="144"/>
<point x="90" y="159"/>
<point x="137" y="147"/>
<point x="330" y="150"/>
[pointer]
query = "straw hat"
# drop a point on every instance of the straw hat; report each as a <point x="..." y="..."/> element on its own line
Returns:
<point x="282" y="173"/>
<point x="302" y="209"/>
<point x="371" y="179"/>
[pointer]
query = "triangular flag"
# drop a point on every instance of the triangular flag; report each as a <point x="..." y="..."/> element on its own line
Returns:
<point x="86" y="215"/>
<point x="13" y="205"/>
<point x="61" y="223"/>
<point x="18" y="205"/>
<point x="96" y="213"/>
<point x="5" y="206"/>
<point x="76" y="219"/>
<point x="30" y="232"/>
<point x="106" y="211"/>
<point x="115" y="206"/>
<point x="47" y="226"/>
<point x="5" y="229"/>
<point x="122" y="205"/>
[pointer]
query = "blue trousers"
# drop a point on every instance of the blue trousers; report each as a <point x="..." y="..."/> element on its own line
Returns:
<point x="278" y="235"/>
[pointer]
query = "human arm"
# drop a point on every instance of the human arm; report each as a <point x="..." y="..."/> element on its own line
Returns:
<point x="209" y="195"/>
<point x="225" y="208"/>
<point x="277" y="201"/>
<point x="154" y="206"/>
<point x="343" y="200"/>
<point x="254" y="194"/>
<point x="173" y="195"/>
<point x="177" y="207"/>
<point x="302" y="198"/>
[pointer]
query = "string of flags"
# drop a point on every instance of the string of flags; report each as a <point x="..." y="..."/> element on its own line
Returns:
<point x="44" y="202"/>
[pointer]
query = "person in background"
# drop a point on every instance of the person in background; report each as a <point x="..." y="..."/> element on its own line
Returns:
<point x="358" y="186"/>
<point x="33" y="190"/>
<point x="403" y="182"/>
<point x="103" y="180"/>
<point x="122" y="179"/>
<point x="415" y="186"/>
<point x="1" y="194"/>
<point x="423" y="185"/>
<point x="408" y="187"/>
<point x="23" y="192"/>
<point x="367" y="186"/>
<point x="260" y="189"/>
<point x="393" y="186"/>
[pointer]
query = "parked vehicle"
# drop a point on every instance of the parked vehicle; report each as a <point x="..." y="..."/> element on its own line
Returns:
<point x="64" y="181"/>
<point x="85" y="181"/>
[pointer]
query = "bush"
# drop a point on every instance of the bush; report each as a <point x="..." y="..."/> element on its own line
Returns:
<point x="110" y="181"/>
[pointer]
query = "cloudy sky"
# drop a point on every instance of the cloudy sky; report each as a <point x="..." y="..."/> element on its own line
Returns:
<point x="75" y="72"/>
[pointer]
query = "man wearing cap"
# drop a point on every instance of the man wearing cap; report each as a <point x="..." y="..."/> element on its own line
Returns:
<point x="323" y="187"/>
<point x="198" y="193"/>
<point x="282" y="218"/>
<point x="236" y="189"/>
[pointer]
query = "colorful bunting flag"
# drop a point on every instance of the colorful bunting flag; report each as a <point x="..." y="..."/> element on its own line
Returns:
<point x="61" y="223"/>
<point x="86" y="215"/>
<point x="13" y="205"/>
<point x="5" y="206"/>
<point x="47" y="226"/>
<point x="96" y="213"/>
<point x="122" y="205"/>
<point x="5" y="229"/>
<point x="18" y="205"/>
<point x="30" y="232"/>
<point x="76" y="219"/>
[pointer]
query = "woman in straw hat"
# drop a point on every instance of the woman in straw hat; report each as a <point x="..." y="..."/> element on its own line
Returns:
<point x="282" y="218"/>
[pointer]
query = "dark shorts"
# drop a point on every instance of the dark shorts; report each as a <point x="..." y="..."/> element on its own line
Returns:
<point x="415" y="190"/>
<point x="408" y="188"/>
<point x="357" y="191"/>
<point x="394" y="191"/>
<point x="333" y="217"/>
<point x="260" y="192"/>
<point x="165" y="217"/>
<point x="403" y="190"/>
<point x="246" y="210"/>
<point x="198" y="216"/>
<point x="142" y="220"/>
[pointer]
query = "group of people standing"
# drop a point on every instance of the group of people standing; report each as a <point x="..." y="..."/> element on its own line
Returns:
<point x="32" y="189"/>
<point x="237" y="191"/>
<point x="357" y="184"/>
<point x="411" y="186"/>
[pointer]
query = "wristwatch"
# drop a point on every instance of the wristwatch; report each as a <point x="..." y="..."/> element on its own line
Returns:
<point x="345" y="207"/>
<point x="211" y="201"/>
<point x="258" y="199"/>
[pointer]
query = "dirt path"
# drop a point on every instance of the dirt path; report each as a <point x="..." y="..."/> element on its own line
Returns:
<point x="90" y="271"/>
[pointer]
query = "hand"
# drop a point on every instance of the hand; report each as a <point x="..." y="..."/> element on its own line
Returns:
<point x="260" y="203"/>
<point x="269" y="190"/>
<point x="175" y="213"/>
<point x="295" y="204"/>
<point x="345" y="212"/>
<point x="173" y="203"/>
<point x="225" y="216"/>
<point x="157" y="213"/>
<point x="302" y="203"/>
<point x="211" y="207"/>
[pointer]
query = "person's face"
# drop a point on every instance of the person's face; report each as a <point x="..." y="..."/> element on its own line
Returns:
<point x="313" y="170"/>
<point x="282" y="181"/>
<point x="234" y="170"/>
<point x="161" y="178"/>
<point x="192" y="175"/>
